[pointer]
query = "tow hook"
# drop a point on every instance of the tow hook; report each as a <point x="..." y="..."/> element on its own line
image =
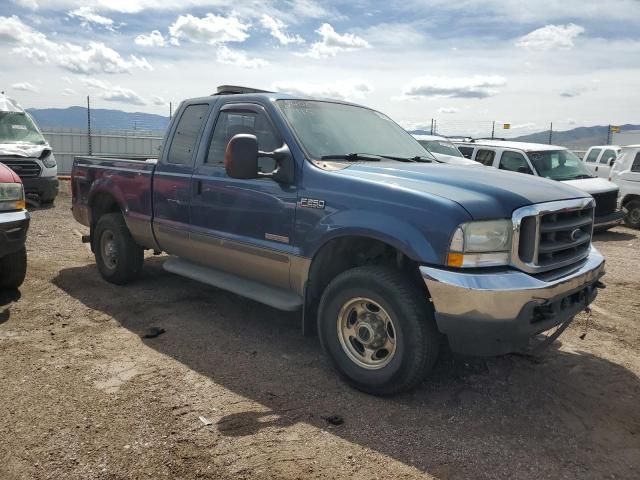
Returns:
<point x="86" y="238"/>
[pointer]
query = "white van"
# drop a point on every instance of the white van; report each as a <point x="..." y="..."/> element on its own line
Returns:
<point x="25" y="151"/>
<point x="626" y="174"/>
<point x="600" y="158"/>
<point x="444" y="150"/>
<point x="553" y="162"/>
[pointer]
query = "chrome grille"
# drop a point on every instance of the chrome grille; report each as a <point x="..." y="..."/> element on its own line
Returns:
<point x="24" y="167"/>
<point x="552" y="235"/>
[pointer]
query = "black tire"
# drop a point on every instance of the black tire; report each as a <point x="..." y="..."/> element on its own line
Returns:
<point x="632" y="218"/>
<point x="124" y="264"/>
<point x="13" y="269"/>
<point x="415" y="332"/>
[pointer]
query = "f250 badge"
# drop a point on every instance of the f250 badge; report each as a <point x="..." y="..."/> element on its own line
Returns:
<point x="311" y="203"/>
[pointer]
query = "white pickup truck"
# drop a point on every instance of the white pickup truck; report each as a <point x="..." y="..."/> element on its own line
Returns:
<point x="600" y="158"/>
<point x="626" y="174"/>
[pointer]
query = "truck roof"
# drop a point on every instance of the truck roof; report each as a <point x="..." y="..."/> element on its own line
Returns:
<point x="527" y="147"/>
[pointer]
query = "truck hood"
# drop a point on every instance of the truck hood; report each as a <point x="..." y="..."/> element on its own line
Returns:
<point x="451" y="160"/>
<point x="592" y="185"/>
<point x="485" y="193"/>
<point x="23" y="149"/>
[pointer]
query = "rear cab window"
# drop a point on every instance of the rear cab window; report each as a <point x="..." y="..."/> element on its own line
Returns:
<point x="635" y="167"/>
<point x="467" y="152"/>
<point x="592" y="156"/>
<point x="184" y="141"/>
<point x="485" y="157"/>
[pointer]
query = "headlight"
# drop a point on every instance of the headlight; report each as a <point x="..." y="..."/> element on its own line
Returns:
<point x="48" y="159"/>
<point x="481" y="244"/>
<point x="11" y="196"/>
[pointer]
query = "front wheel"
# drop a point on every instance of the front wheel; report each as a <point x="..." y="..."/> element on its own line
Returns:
<point x="118" y="256"/>
<point x="13" y="269"/>
<point x="378" y="330"/>
<point x="632" y="218"/>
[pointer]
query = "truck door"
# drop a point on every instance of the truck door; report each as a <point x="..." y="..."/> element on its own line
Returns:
<point x="172" y="181"/>
<point x="591" y="158"/>
<point x="242" y="226"/>
<point x="603" y="167"/>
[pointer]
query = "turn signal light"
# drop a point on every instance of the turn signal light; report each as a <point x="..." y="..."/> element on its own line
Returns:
<point x="455" y="259"/>
<point x="21" y="205"/>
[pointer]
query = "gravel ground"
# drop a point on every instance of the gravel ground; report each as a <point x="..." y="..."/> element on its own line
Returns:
<point x="83" y="395"/>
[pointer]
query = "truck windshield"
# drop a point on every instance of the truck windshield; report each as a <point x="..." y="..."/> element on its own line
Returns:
<point x="441" y="146"/>
<point x="559" y="165"/>
<point x="328" y="129"/>
<point x="17" y="127"/>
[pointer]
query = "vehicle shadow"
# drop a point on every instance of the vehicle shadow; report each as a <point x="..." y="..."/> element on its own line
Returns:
<point x="567" y="413"/>
<point x="7" y="297"/>
<point x="614" y="236"/>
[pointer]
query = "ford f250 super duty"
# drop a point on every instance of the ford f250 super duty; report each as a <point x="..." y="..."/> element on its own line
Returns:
<point x="332" y="209"/>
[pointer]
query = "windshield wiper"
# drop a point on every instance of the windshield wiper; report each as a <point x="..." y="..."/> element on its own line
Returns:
<point x="353" y="157"/>
<point x="408" y="159"/>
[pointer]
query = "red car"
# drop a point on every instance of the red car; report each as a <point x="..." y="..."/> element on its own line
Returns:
<point x="14" y="223"/>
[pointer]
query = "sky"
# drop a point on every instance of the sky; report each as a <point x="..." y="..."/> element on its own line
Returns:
<point x="465" y="62"/>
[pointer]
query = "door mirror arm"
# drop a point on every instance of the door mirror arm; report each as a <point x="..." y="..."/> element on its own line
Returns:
<point x="284" y="173"/>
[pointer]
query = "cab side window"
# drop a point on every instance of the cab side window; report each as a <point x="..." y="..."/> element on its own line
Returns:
<point x="514" y="162"/>
<point x="606" y="156"/>
<point x="467" y="152"/>
<point x="485" y="157"/>
<point x="231" y="123"/>
<point x="593" y="155"/>
<point x="184" y="140"/>
<point x="635" y="167"/>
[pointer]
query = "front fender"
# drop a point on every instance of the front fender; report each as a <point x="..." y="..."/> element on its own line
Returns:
<point x="398" y="233"/>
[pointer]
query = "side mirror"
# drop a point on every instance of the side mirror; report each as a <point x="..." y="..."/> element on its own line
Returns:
<point x="612" y="161"/>
<point x="241" y="156"/>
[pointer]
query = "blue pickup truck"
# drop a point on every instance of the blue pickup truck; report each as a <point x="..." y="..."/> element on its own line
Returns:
<point x="333" y="210"/>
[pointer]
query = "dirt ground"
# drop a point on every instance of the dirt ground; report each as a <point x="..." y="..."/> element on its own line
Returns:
<point x="83" y="395"/>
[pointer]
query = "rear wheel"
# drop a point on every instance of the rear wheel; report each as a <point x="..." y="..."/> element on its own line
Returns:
<point x="118" y="257"/>
<point x="378" y="330"/>
<point x="13" y="269"/>
<point x="632" y="218"/>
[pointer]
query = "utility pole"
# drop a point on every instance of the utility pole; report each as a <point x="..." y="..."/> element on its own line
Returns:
<point x="170" y="110"/>
<point x="493" y="129"/>
<point x="431" y="126"/>
<point x="550" y="133"/>
<point x="89" y="125"/>
<point x="608" y="135"/>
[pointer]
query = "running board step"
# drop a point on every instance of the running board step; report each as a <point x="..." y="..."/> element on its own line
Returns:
<point x="274" y="297"/>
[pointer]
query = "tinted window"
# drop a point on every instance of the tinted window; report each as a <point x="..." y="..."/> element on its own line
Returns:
<point x="636" y="163"/>
<point x="466" y="152"/>
<point x="184" y="140"/>
<point x="608" y="155"/>
<point x="559" y="165"/>
<point x="593" y="155"/>
<point x="485" y="157"/>
<point x="514" y="162"/>
<point x="231" y="123"/>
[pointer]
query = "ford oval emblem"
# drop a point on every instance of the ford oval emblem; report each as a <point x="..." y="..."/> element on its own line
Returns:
<point x="576" y="234"/>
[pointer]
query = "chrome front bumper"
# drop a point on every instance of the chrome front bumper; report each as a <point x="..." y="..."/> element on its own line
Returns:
<point x="495" y="312"/>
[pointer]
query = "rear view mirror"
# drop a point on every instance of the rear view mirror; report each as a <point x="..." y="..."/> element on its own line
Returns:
<point x="241" y="156"/>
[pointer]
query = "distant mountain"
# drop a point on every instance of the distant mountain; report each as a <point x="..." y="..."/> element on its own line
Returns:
<point x="580" y="138"/>
<point x="76" y="117"/>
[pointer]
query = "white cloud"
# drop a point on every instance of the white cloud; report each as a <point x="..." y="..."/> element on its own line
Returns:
<point x="211" y="29"/>
<point x="88" y="16"/>
<point x="96" y="57"/>
<point x="113" y="93"/>
<point x="238" y="58"/>
<point x="159" y="101"/>
<point x="551" y="37"/>
<point x="67" y="92"/>
<point x="30" y="4"/>
<point x="153" y="39"/>
<point x="333" y="43"/>
<point x="24" y="86"/>
<point x="277" y="29"/>
<point x="343" y="89"/>
<point x="454" y="87"/>
<point x="448" y="110"/>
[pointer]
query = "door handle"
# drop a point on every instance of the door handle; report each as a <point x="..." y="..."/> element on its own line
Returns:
<point x="596" y="169"/>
